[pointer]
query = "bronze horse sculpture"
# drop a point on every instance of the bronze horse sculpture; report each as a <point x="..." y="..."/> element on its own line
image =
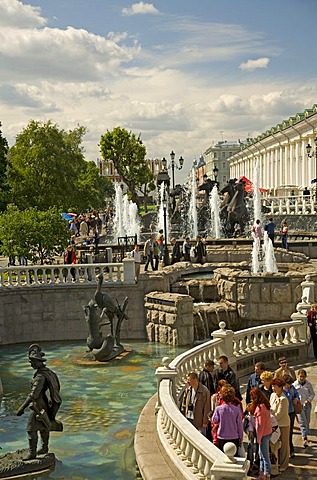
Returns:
<point x="233" y="210"/>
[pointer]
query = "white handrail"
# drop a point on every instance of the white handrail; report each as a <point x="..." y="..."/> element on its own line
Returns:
<point x="83" y="273"/>
<point x="189" y="451"/>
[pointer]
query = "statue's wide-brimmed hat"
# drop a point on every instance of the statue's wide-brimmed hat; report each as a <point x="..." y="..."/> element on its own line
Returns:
<point x="35" y="353"/>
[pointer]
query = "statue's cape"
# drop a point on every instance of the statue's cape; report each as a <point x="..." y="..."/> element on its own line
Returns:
<point x="53" y="384"/>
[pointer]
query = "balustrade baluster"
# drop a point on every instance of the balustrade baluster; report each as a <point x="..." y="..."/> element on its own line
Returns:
<point x="183" y="448"/>
<point x="295" y="336"/>
<point x="255" y="342"/>
<point x="60" y="274"/>
<point x="19" y="278"/>
<point x="110" y="274"/>
<point x="188" y="454"/>
<point x="287" y="337"/>
<point x="241" y="346"/>
<point x="207" y="468"/>
<point x="201" y="467"/>
<point x="194" y="460"/>
<point x="278" y="338"/>
<point x="36" y="278"/>
<point x="248" y="345"/>
<point x="270" y="343"/>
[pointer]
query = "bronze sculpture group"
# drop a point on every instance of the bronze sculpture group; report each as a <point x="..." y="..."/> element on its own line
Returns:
<point x="103" y="348"/>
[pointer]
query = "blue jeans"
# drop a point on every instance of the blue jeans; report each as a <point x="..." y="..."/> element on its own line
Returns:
<point x="304" y="419"/>
<point x="264" y="454"/>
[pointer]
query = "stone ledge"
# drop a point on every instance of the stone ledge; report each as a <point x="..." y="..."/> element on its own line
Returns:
<point x="150" y="460"/>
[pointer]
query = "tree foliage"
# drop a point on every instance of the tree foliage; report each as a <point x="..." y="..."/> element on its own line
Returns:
<point x="32" y="233"/>
<point x="47" y="168"/>
<point x="127" y="153"/>
<point x="4" y="188"/>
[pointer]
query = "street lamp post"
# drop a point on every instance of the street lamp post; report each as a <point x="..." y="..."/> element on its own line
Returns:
<point x="174" y="165"/>
<point x="310" y="154"/>
<point x="165" y="252"/>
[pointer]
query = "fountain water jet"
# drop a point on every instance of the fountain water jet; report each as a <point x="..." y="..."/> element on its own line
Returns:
<point x="160" y="224"/>
<point x="126" y="219"/>
<point x="192" y="213"/>
<point x="214" y="211"/>
<point x="270" y="265"/>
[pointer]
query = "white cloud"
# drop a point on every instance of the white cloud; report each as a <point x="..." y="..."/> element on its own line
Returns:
<point x="140" y="8"/>
<point x="16" y="14"/>
<point x="61" y="54"/>
<point x="251" y="65"/>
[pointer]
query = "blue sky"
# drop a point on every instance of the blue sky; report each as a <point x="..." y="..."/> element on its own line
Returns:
<point x="180" y="72"/>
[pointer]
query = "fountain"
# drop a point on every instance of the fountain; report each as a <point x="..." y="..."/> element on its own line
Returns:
<point x="160" y="223"/>
<point x="99" y="411"/>
<point x="214" y="212"/>
<point x="270" y="265"/>
<point x="126" y="218"/>
<point x="192" y="212"/>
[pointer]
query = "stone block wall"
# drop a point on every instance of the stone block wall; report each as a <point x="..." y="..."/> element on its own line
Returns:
<point x="169" y="318"/>
<point x="53" y="313"/>
<point x="260" y="298"/>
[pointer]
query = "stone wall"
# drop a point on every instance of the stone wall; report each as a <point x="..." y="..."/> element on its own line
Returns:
<point x="55" y="312"/>
<point x="260" y="298"/>
<point x="170" y="318"/>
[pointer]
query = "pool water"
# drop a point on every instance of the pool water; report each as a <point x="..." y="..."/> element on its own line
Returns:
<point x="100" y="409"/>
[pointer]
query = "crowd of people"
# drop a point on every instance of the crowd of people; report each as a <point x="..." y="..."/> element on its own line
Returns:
<point x="180" y="250"/>
<point x="213" y="403"/>
<point x="270" y="227"/>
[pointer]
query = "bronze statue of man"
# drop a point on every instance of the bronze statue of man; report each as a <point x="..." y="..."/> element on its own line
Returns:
<point x="44" y="401"/>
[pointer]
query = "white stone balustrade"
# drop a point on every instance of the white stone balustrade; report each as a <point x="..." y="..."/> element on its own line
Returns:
<point x="33" y="275"/>
<point x="191" y="453"/>
<point x="297" y="205"/>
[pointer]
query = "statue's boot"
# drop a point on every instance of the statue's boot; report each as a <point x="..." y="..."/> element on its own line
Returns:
<point x="32" y="446"/>
<point x="44" y="447"/>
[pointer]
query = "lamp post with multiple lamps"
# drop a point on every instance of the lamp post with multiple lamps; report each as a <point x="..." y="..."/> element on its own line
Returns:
<point x="310" y="154"/>
<point x="173" y="165"/>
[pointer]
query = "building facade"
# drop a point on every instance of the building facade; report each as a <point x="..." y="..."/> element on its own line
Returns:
<point x="280" y="155"/>
<point x="217" y="164"/>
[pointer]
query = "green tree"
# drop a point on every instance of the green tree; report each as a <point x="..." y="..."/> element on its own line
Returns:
<point x="32" y="233"/>
<point x="92" y="188"/>
<point x="4" y="188"/>
<point x="127" y="153"/>
<point x="44" y="165"/>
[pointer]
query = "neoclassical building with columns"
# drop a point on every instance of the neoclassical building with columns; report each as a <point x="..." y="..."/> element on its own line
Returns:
<point x="281" y="155"/>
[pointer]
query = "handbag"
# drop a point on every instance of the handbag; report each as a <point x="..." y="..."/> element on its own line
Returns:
<point x="297" y="406"/>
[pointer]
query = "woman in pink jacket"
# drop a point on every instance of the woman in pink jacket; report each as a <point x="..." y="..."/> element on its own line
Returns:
<point x="260" y="409"/>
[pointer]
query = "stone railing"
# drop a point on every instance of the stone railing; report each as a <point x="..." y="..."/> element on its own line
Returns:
<point x="34" y="275"/>
<point x="189" y="451"/>
<point x="297" y="205"/>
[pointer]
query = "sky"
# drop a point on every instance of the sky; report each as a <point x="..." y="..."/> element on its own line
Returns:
<point x="183" y="74"/>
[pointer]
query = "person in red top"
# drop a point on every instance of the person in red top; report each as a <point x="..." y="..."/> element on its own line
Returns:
<point x="69" y="259"/>
<point x="260" y="409"/>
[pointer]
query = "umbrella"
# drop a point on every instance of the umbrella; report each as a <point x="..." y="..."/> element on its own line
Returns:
<point x="66" y="216"/>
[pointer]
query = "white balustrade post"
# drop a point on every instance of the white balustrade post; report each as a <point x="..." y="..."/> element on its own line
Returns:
<point x="308" y="287"/>
<point x="129" y="270"/>
<point x="163" y="373"/>
<point x="226" y="347"/>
